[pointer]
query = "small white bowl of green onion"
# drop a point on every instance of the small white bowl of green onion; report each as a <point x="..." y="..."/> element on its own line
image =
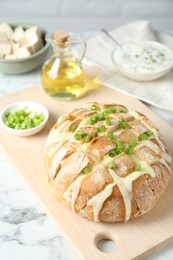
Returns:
<point x="24" y="118"/>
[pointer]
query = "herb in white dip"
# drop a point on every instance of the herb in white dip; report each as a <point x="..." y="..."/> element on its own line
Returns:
<point x="144" y="57"/>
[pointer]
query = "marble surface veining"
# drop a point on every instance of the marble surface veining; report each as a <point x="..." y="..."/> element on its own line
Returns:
<point x="26" y="232"/>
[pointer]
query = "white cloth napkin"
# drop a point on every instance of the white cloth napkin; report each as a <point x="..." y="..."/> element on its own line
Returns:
<point x="158" y="93"/>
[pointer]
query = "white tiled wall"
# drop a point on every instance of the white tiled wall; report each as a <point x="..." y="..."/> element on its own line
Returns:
<point x="87" y="15"/>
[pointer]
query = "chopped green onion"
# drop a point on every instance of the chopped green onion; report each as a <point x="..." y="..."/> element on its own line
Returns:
<point x="110" y="135"/>
<point x="112" y="153"/>
<point x="142" y="137"/>
<point x="101" y="128"/>
<point x="94" y="107"/>
<point x="93" y="119"/>
<point x="145" y="136"/>
<point x="74" y="127"/>
<point x="120" y="121"/>
<point x="130" y="150"/>
<point x="7" y="114"/>
<point x="108" y="111"/>
<point x="101" y="117"/>
<point x="149" y="133"/>
<point x="123" y="124"/>
<point x="120" y="146"/>
<point x="88" y="138"/>
<point x="90" y="121"/>
<point x="78" y="137"/>
<point x="132" y="142"/>
<point x="23" y="119"/>
<point x="108" y="121"/>
<point x="82" y="133"/>
<point x="131" y="146"/>
<point x="113" y="110"/>
<point x="138" y="167"/>
<point x="87" y="170"/>
<point x="112" y="165"/>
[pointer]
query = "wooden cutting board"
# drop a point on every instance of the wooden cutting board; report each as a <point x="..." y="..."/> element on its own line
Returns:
<point x="136" y="239"/>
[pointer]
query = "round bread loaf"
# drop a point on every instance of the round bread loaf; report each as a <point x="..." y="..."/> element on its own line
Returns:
<point x="107" y="162"/>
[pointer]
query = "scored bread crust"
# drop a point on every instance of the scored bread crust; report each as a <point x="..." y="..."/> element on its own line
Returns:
<point x="107" y="162"/>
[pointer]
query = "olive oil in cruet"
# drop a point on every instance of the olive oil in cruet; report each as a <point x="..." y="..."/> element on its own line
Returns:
<point x="63" y="76"/>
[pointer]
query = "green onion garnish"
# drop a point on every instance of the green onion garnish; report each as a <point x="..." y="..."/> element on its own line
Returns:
<point x="123" y="124"/>
<point x="110" y="135"/>
<point x="108" y="121"/>
<point x="101" y="128"/>
<point x="108" y="111"/>
<point x="101" y="117"/>
<point x="113" y="110"/>
<point x="112" y="165"/>
<point x="87" y="170"/>
<point x="90" y="121"/>
<point x="120" y="146"/>
<point x="80" y="135"/>
<point x="22" y="120"/>
<point x="88" y="138"/>
<point x="112" y="153"/>
<point x="138" y="167"/>
<point x="142" y="137"/>
<point x="132" y="142"/>
<point x="149" y="133"/>
<point x="7" y="114"/>
<point x="95" y="118"/>
<point x="130" y="150"/>
<point x="145" y="136"/>
<point x="131" y="146"/>
<point x="94" y="107"/>
<point x="74" y="127"/>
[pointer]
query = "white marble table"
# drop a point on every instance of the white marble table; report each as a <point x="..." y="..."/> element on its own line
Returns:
<point x="26" y="232"/>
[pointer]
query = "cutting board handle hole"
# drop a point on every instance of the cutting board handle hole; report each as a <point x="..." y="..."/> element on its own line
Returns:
<point x="105" y="243"/>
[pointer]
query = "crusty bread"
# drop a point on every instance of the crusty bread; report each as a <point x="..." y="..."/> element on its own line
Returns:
<point x="107" y="162"/>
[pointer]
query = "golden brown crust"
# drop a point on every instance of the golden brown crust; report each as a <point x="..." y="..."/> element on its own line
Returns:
<point x="125" y="165"/>
<point x="91" y="185"/>
<point x="100" y="147"/>
<point x="126" y="135"/>
<point x="143" y="194"/>
<point x="108" y="163"/>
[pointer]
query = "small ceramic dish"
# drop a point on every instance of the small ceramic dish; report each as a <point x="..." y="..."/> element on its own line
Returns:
<point x="143" y="61"/>
<point x="29" y="106"/>
<point x="23" y="65"/>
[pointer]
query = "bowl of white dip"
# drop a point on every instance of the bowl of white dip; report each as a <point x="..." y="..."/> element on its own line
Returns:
<point x="143" y="61"/>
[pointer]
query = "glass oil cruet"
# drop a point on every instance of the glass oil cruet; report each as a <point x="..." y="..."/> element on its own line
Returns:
<point x="63" y="76"/>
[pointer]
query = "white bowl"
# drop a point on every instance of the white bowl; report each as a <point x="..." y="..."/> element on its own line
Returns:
<point x="30" y="105"/>
<point x="144" y="75"/>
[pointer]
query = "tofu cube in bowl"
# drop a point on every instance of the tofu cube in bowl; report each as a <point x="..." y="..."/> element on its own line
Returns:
<point x="22" y="48"/>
